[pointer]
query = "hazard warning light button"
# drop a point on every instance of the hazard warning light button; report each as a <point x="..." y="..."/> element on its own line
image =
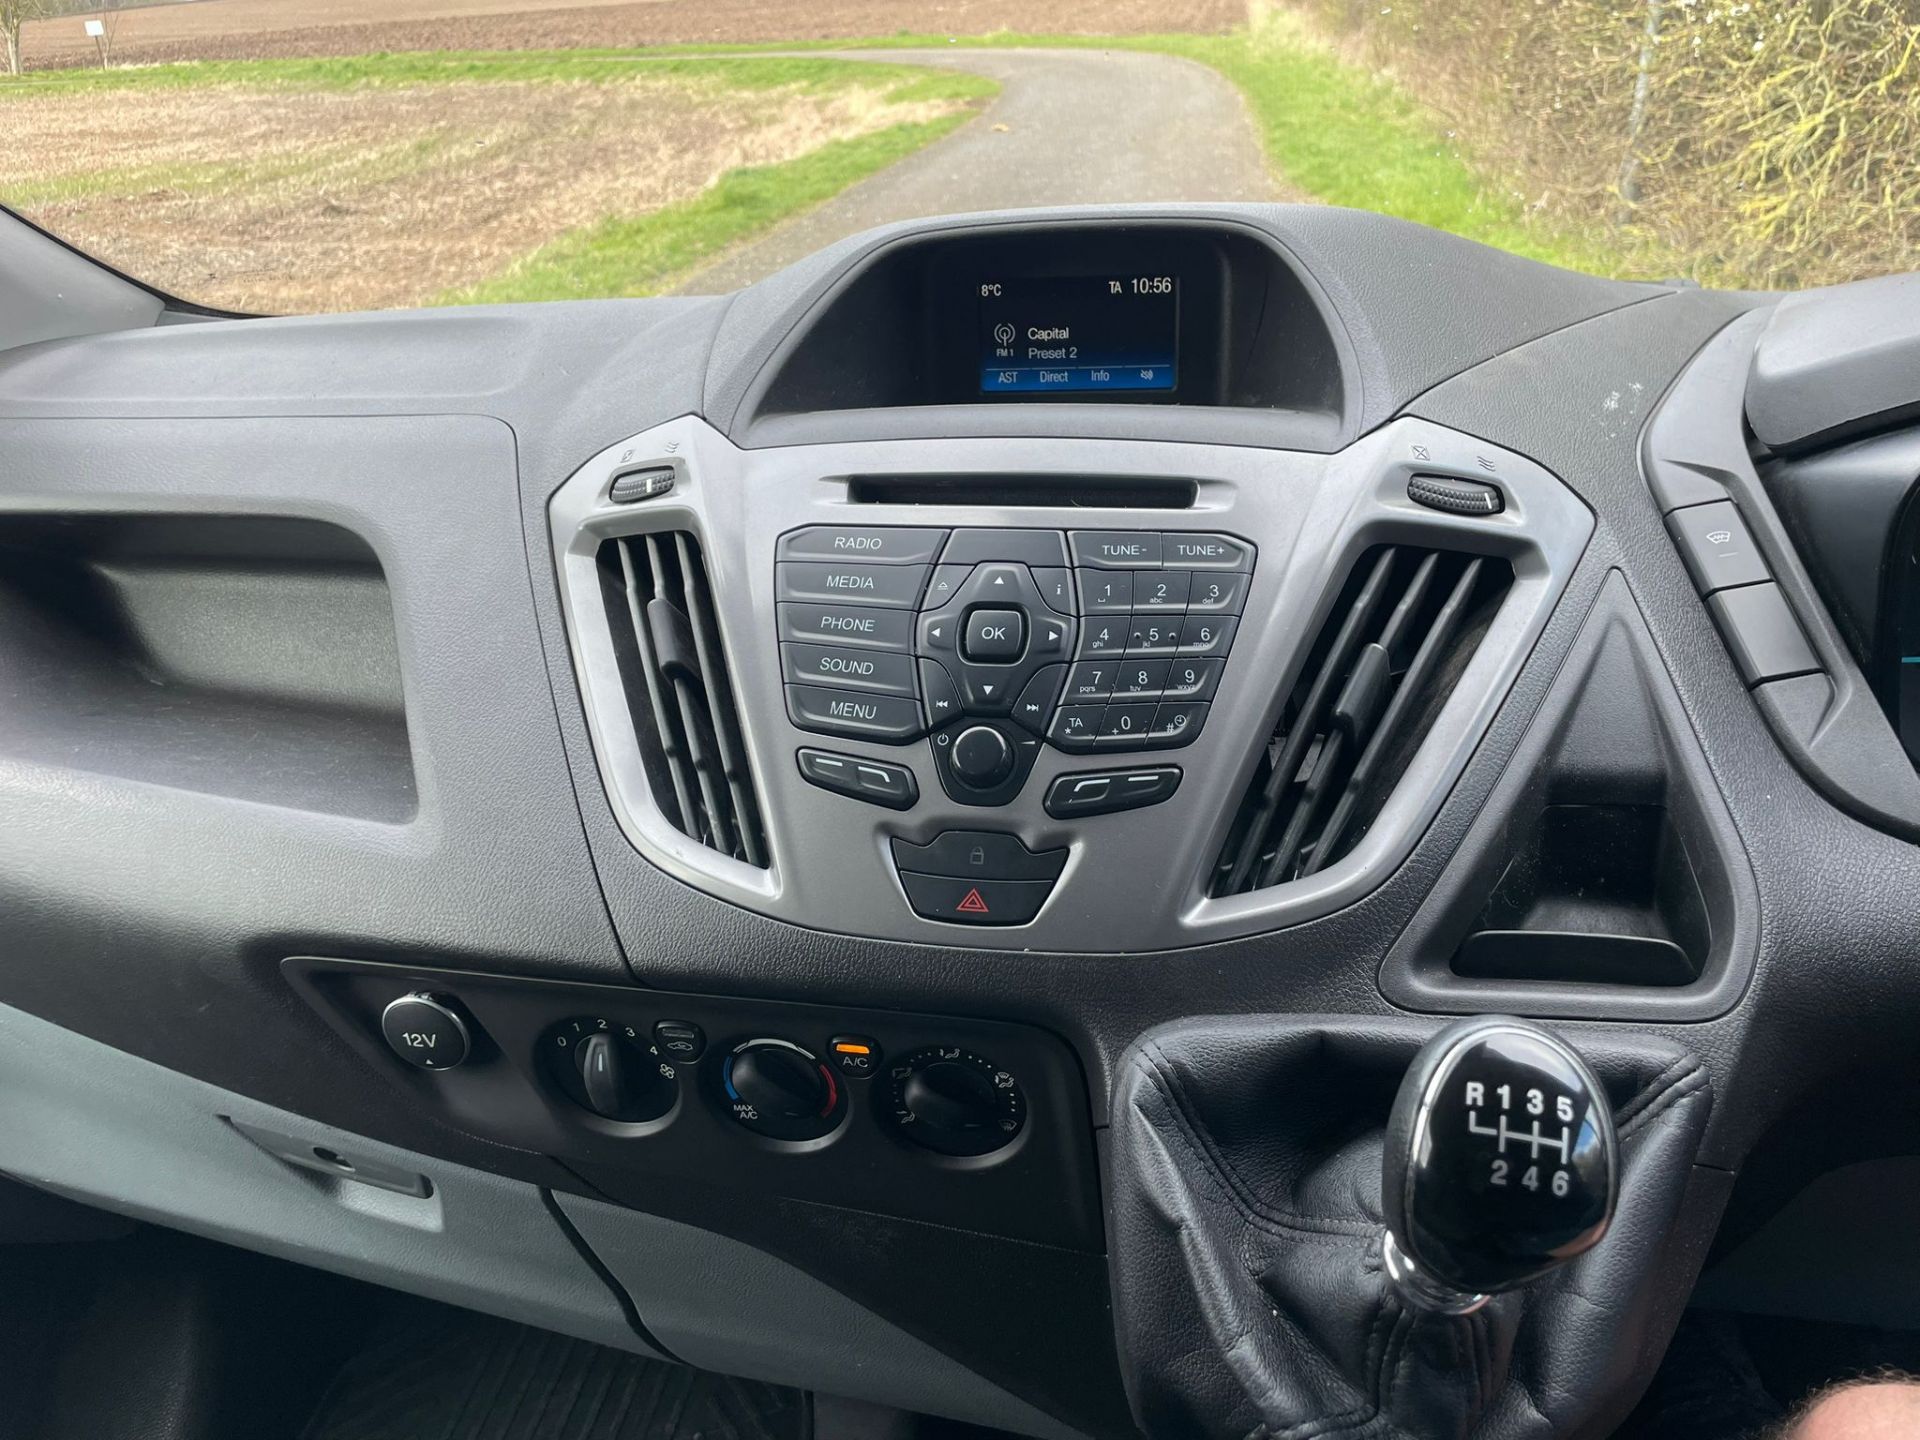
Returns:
<point x="962" y="901"/>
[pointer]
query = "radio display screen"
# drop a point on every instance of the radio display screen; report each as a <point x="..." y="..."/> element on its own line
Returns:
<point x="1078" y="334"/>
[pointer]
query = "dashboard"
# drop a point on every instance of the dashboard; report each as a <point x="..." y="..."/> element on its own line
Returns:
<point x="843" y="786"/>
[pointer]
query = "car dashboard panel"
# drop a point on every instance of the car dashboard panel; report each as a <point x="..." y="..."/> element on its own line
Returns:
<point x="842" y="786"/>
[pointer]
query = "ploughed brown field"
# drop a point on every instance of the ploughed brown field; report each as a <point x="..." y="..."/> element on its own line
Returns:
<point x="255" y="29"/>
<point x="371" y="197"/>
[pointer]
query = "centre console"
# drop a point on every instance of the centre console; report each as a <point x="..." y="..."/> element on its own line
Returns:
<point x="1067" y="694"/>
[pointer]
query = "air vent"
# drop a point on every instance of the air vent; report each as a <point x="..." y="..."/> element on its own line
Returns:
<point x="1406" y="623"/>
<point x="675" y="672"/>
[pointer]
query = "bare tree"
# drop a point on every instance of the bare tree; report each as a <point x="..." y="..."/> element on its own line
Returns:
<point x="14" y="14"/>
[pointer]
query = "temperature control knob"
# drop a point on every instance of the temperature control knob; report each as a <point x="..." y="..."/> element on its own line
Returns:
<point x="612" y="1069"/>
<point x="777" y="1089"/>
<point x="956" y="1102"/>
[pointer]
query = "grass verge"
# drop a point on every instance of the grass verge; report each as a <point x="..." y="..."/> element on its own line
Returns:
<point x="645" y="254"/>
<point x="1340" y="133"/>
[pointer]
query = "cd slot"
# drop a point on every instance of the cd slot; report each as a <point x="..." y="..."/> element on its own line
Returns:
<point x="1109" y="492"/>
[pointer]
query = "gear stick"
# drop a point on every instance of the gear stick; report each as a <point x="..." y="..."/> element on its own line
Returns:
<point x="1501" y="1163"/>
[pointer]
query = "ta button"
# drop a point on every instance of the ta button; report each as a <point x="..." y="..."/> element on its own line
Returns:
<point x="995" y="635"/>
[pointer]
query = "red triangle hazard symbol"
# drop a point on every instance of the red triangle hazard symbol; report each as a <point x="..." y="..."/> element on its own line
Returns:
<point x="972" y="904"/>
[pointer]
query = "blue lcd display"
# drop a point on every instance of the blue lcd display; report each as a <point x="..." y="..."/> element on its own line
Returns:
<point x="1078" y="334"/>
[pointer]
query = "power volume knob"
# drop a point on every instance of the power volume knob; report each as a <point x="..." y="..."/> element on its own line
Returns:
<point x="981" y="757"/>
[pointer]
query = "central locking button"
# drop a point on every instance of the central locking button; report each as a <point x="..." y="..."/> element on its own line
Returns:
<point x="995" y="635"/>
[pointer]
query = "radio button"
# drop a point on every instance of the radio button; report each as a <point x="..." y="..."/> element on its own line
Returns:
<point x="1117" y="549"/>
<point x="847" y="625"/>
<point x="879" y="671"/>
<point x="876" y="544"/>
<point x="1207" y="552"/>
<point x="894" y="586"/>
<point x="847" y="712"/>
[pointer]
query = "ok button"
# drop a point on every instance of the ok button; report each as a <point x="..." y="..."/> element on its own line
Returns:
<point x="995" y="635"/>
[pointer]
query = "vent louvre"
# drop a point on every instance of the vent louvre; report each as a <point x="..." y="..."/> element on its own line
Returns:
<point x="675" y="674"/>
<point x="1405" y="625"/>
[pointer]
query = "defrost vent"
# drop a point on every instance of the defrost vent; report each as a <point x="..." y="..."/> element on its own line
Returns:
<point x="1405" y="625"/>
<point x="674" y="670"/>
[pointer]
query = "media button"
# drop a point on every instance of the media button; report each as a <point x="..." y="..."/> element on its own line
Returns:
<point x="894" y="586"/>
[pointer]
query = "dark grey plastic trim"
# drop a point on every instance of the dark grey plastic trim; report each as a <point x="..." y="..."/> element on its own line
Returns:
<point x="1836" y="361"/>
<point x="1417" y="973"/>
<point x="1134" y="883"/>
<point x="1695" y="448"/>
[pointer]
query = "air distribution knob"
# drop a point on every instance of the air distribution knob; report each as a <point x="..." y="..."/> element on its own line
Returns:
<point x="1501" y="1163"/>
<point x="981" y="757"/>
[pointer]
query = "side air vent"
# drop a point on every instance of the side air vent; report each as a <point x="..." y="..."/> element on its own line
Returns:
<point x="675" y="673"/>
<point x="1405" y="625"/>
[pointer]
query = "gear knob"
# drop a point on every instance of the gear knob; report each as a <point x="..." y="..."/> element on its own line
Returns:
<point x="1501" y="1163"/>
